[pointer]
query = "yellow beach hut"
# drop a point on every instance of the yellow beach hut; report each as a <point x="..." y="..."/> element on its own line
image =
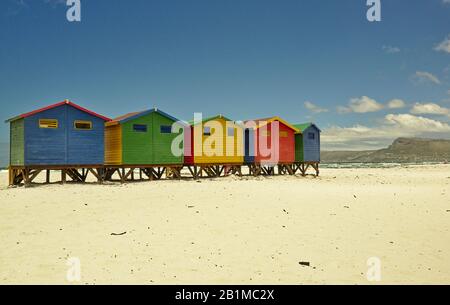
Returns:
<point x="216" y="140"/>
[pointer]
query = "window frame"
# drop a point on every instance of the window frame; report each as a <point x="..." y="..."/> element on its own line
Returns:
<point x="41" y="124"/>
<point x="266" y="133"/>
<point x="90" y="123"/>
<point x="284" y="134"/>
<point x="311" y="136"/>
<point x="140" y="130"/>
<point x="167" y="131"/>
<point x="207" y="133"/>
<point x="233" y="130"/>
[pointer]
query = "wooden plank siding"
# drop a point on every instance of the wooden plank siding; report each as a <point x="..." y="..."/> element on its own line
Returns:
<point x="84" y="146"/>
<point x="46" y="146"/>
<point x="113" y="145"/>
<point x="150" y="146"/>
<point x="137" y="146"/>
<point x="218" y="148"/>
<point x="17" y="143"/>
<point x="286" y="144"/>
<point x="162" y="142"/>
<point x="307" y="148"/>
<point x="58" y="142"/>
<point x="311" y="147"/>
<point x="299" y="156"/>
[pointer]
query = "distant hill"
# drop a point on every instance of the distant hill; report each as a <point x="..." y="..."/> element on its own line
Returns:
<point x="4" y="155"/>
<point x="402" y="150"/>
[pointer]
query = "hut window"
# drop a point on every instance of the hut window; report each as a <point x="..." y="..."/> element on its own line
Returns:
<point x="265" y="133"/>
<point x="48" y="123"/>
<point x="231" y="132"/>
<point x="83" y="125"/>
<point x="140" y="128"/>
<point x="311" y="136"/>
<point x="166" y="129"/>
<point x="283" y="134"/>
<point x="207" y="131"/>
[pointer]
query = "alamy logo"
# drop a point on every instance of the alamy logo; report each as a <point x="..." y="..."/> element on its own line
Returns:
<point x="220" y="137"/>
<point x="74" y="11"/>
<point x="374" y="271"/>
<point x="374" y="12"/>
<point x="74" y="271"/>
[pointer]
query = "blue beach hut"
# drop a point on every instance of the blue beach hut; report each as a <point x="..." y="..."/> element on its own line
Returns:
<point x="62" y="134"/>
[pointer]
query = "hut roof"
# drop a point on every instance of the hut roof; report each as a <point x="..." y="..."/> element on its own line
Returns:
<point x="66" y="102"/>
<point x="134" y="115"/>
<point x="262" y="122"/>
<point x="302" y="127"/>
<point x="192" y="122"/>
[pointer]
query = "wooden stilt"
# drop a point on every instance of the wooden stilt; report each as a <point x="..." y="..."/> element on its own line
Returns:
<point x="34" y="175"/>
<point x="96" y="174"/>
<point x="151" y="173"/>
<point x="11" y="176"/>
<point x="316" y="167"/>
<point x="192" y="170"/>
<point x="25" y="176"/>
<point x="100" y="175"/>
<point x="84" y="174"/>
<point x="63" y="176"/>
<point x="123" y="176"/>
<point x="18" y="176"/>
<point x="239" y="171"/>
<point x="196" y="172"/>
<point x="289" y="169"/>
<point x="129" y="174"/>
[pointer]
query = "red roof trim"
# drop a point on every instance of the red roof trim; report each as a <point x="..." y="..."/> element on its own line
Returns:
<point x="28" y="114"/>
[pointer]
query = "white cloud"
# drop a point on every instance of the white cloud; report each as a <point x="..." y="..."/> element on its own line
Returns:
<point x="362" y="104"/>
<point x="425" y="77"/>
<point x="416" y="123"/>
<point x="429" y="108"/>
<point x="360" y="137"/>
<point x="396" y="104"/>
<point x="444" y="46"/>
<point x="314" y="108"/>
<point x="391" y="49"/>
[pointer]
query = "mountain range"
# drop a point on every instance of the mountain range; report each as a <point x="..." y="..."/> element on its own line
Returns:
<point x="402" y="150"/>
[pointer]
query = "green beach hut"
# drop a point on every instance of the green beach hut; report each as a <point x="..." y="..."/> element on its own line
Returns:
<point x="142" y="139"/>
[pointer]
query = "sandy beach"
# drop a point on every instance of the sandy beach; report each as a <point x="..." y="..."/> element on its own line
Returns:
<point x="233" y="230"/>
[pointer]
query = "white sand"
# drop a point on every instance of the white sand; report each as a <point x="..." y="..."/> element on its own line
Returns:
<point x="243" y="231"/>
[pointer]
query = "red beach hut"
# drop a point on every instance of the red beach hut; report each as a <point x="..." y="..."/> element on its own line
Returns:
<point x="270" y="141"/>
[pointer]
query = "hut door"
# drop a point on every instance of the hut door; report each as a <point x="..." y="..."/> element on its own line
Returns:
<point x="249" y="144"/>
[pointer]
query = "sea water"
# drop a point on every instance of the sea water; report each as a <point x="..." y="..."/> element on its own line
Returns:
<point x="373" y="165"/>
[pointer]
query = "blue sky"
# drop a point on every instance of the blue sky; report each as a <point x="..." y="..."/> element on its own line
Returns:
<point x="304" y="60"/>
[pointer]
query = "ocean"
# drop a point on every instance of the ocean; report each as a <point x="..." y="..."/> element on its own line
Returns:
<point x="375" y="165"/>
